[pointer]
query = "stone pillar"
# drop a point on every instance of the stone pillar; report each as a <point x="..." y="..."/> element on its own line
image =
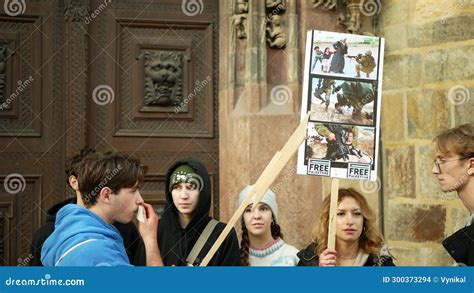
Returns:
<point x="254" y="124"/>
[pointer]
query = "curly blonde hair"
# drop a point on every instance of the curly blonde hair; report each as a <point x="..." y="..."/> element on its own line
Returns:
<point x="370" y="240"/>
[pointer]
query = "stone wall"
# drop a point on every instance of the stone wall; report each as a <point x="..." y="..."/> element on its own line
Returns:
<point x="429" y="49"/>
<point x="427" y="87"/>
<point x="254" y="123"/>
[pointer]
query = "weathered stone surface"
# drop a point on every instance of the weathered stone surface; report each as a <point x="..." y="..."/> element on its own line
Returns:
<point x="393" y="113"/>
<point x="393" y="12"/>
<point x="459" y="218"/>
<point x="398" y="33"/>
<point x="395" y="72"/>
<point x="449" y="64"/>
<point x="422" y="54"/>
<point x="416" y="223"/>
<point x="415" y="70"/>
<point x="428" y="113"/>
<point x="400" y="172"/>
<point x="444" y="30"/>
<point x="402" y="71"/>
<point x="414" y="256"/>
<point x="426" y="10"/>
<point x="464" y="112"/>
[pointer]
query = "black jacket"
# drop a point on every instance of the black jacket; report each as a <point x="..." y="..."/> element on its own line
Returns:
<point x="460" y="246"/>
<point x="309" y="258"/>
<point x="176" y="243"/>
<point x="129" y="232"/>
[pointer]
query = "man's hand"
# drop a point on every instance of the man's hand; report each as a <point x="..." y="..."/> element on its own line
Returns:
<point x="149" y="229"/>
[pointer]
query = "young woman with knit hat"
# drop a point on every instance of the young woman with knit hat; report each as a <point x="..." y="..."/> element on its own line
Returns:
<point x="262" y="241"/>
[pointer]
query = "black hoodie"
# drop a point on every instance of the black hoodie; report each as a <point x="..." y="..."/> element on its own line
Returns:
<point x="175" y="243"/>
<point x="460" y="246"/>
<point x="308" y="257"/>
<point x="129" y="233"/>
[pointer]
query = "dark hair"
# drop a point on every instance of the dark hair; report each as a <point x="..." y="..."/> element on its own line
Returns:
<point x="317" y="47"/>
<point x="112" y="170"/>
<point x="245" y="242"/>
<point x="73" y="163"/>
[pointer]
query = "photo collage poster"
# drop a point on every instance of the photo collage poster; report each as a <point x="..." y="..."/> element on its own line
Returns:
<point x="342" y="91"/>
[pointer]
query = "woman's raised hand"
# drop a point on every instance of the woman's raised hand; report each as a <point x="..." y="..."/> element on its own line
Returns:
<point x="328" y="258"/>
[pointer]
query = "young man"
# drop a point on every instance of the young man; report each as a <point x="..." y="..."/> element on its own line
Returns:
<point x="85" y="236"/>
<point x="188" y="200"/>
<point x="129" y="232"/>
<point x="454" y="169"/>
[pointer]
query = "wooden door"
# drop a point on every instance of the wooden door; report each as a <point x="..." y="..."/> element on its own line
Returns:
<point x="138" y="77"/>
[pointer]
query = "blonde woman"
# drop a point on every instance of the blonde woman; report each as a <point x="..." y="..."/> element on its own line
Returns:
<point x="358" y="241"/>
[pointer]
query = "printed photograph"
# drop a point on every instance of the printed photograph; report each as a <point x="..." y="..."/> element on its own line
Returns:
<point x="341" y="101"/>
<point x="345" y="55"/>
<point x="340" y="143"/>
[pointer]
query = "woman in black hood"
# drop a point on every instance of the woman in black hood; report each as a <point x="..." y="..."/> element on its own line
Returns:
<point x="188" y="201"/>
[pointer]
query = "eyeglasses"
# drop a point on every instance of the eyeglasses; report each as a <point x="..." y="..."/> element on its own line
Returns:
<point x="438" y="163"/>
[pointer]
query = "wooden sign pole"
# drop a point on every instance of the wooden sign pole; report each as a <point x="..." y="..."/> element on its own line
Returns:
<point x="332" y="214"/>
<point x="276" y="165"/>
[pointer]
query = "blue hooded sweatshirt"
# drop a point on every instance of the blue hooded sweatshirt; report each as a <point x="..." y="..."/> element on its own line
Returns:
<point x="82" y="238"/>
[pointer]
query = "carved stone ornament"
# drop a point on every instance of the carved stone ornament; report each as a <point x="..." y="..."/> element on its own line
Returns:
<point x="352" y="13"/>
<point x="276" y="36"/>
<point x="3" y="73"/>
<point x="276" y="6"/>
<point x="75" y="10"/>
<point x="163" y="78"/>
<point x="239" y="19"/>
<point x="325" y="4"/>
<point x="352" y="18"/>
